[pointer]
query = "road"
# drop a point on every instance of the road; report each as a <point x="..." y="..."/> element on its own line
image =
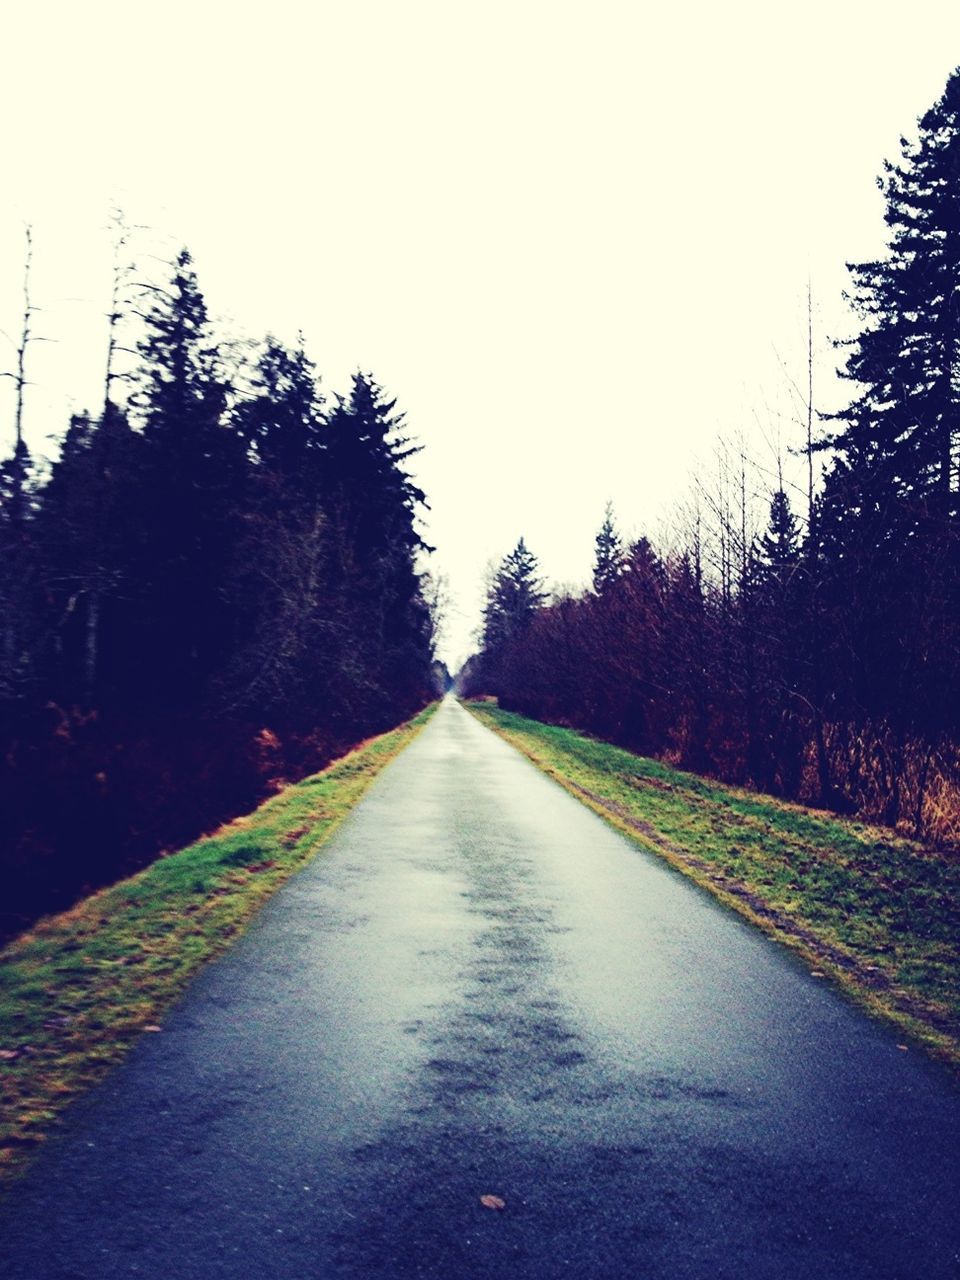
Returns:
<point x="481" y="989"/>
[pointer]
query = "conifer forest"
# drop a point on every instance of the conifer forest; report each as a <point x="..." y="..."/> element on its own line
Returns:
<point x="213" y="587"/>
<point x="818" y="659"/>
<point x="220" y="580"/>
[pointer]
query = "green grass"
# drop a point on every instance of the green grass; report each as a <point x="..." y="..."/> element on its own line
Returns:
<point x="878" y="914"/>
<point x="81" y="987"/>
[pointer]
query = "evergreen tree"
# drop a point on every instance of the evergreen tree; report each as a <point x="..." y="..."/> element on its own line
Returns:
<point x="281" y="423"/>
<point x="636" y="653"/>
<point x="206" y="590"/>
<point x="83" y="525"/>
<point x="372" y="499"/>
<point x="515" y="594"/>
<point x="281" y="577"/>
<point x="777" y="608"/>
<point x="687" y="662"/>
<point x="901" y="433"/>
<point x="21" y="618"/>
<point x="779" y="547"/>
<point x="192" y="494"/>
<point x="609" y="558"/>
<point x="380" y="620"/>
<point x="889" y="511"/>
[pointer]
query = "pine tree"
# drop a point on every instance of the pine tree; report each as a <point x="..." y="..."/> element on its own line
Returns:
<point x="609" y="557"/>
<point x="192" y="494"/>
<point x="372" y="498"/>
<point x="372" y="507"/>
<point x="515" y="594"/>
<point x="21" y="621"/>
<point x="183" y="394"/>
<point x="632" y="639"/>
<point x="281" y="423"/>
<point x="281" y="583"/>
<point x="85" y="514"/>
<point x="777" y="611"/>
<point x="779" y="547"/>
<point x="902" y="427"/>
<point x="889" y="513"/>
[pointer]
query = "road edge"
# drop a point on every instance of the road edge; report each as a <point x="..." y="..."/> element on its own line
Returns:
<point x="79" y="988"/>
<point x="824" y="958"/>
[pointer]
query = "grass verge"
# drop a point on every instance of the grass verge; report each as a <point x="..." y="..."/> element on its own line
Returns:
<point x="878" y="914"/>
<point x="79" y="988"/>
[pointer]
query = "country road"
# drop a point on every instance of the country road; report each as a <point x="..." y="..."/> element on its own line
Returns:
<point x="481" y="989"/>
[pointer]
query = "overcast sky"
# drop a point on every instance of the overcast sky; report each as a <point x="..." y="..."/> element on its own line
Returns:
<point x="572" y="239"/>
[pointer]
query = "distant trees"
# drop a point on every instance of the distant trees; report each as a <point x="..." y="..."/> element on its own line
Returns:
<point x="820" y="661"/>
<point x="514" y="594"/>
<point x="217" y="580"/>
<point x="608" y="560"/>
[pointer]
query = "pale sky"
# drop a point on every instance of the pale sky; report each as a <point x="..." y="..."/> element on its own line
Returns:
<point x="572" y="239"/>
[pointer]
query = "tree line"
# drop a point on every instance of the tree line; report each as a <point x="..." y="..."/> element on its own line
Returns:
<point x="217" y="583"/>
<point x="820" y="658"/>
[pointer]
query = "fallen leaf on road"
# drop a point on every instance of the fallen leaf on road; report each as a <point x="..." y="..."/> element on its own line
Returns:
<point x="493" y="1202"/>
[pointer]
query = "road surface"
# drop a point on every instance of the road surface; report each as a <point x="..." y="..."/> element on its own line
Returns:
<point x="481" y="989"/>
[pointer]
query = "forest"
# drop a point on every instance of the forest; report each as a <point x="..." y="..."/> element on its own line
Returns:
<point x="817" y="658"/>
<point x="216" y="585"/>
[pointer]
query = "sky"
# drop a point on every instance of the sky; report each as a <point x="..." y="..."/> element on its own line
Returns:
<point x="572" y="239"/>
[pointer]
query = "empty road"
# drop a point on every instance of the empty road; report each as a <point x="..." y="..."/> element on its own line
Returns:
<point x="479" y="988"/>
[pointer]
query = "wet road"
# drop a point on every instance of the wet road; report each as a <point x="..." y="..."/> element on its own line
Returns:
<point x="479" y="988"/>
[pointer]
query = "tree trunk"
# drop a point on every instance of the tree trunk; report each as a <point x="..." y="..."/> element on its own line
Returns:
<point x="91" y="646"/>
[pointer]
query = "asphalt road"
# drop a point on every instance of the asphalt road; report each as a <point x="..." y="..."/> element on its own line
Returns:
<point x="481" y="989"/>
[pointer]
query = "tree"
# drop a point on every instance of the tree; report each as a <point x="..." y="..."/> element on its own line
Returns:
<point x="122" y="288"/>
<point x="216" y="583"/>
<point x="192" y="493"/>
<point x="20" y="591"/>
<point x="515" y="593"/>
<point x="779" y="546"/>
<point x="888" y="552"/>
<point x="87" y="508"/>
<point x="281" y="423"/>
<point x="280" y="580"/>
<point x="902" y="426"/>
<point x="609" y="557"/>
<point x="17" y="472"/>
<point x="380" y="620"/>
<point x="777" y="608"/>
<point x="18" y="569"/>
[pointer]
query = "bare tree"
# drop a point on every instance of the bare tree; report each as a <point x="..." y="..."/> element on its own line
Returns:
<point x="19" y="379"/>
<point x="120" y="306"/>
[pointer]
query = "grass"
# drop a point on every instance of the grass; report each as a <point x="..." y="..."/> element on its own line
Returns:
<point x="878" y="914"/>
<point x="79" y="988"/>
